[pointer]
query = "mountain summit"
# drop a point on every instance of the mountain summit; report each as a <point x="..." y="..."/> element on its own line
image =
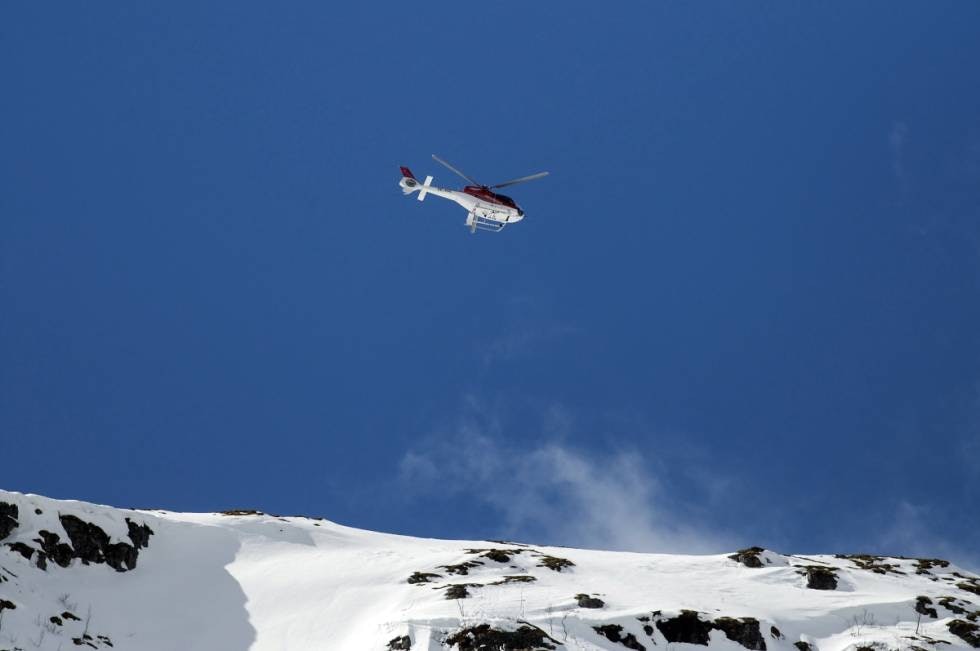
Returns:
<point x="76" y="574"/>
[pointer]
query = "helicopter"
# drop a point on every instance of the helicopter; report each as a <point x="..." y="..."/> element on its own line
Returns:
<point x="486" y="210"/>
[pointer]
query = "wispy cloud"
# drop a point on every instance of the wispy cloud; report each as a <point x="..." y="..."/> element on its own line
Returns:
<point x="896" y="143"/>
<point x="911" y="534"/>
<point x="524" y="326"/>
<point x="555" y="493"/>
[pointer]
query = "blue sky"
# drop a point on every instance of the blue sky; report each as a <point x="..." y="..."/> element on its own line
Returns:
<point x="743" y="309"/>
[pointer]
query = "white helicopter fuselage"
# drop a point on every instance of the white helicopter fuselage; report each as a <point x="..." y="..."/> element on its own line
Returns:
<point x="485" y="210"/>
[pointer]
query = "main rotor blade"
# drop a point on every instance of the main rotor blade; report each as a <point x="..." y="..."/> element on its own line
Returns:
<point x="471" y="181"/>
<point x="520" y="180"/>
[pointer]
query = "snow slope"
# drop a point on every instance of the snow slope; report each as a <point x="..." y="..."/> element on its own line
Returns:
<point x="256" y="581"/>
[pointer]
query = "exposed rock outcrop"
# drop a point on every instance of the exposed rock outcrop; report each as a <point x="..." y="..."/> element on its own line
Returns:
<point x="687" y="628"/>
<point x="587" y="601"/>
<point x="86" y="542"/>
<point x="402" y="643"/>
<point x="614" y="633"/>
<point x="744" y="630"/>
<point x="749" y="557"/>
<point x="484" y="637"/>
<point x="922" y="606"/>
<point x="8" y="519"/>
<point x="820" y="577"/>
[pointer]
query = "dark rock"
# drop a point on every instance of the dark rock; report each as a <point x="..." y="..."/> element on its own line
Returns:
<point x="7" y="605"/>
<point x="614" y="633"/>
<point x="120" y="556"/>
<point x="498" y="555"/>
<point x="24" y="550"/>
<point x="90" y="544"/>
<point x="403" y="643"/>
<point x="803" y="646"/>
<point x="71" y="616"/>
<point x="139" y="534"/>
<point x="37" y="511"/>
<point x="745" y="631"/>
<point x="748" y="557"/>
<point x="585" y="601"/>
<point x="966" y="631"/>
<point x="486" y="638"/>
<point x="54" y="619"/>
<point x="775" y="633"/>
<point x="819" y="577"/>
<point x="648" y="630"/>
<point x="53" y="548"/>
<point x="423" y="577"/>
<point x="922" y="606"/>
<point x="87" y="539"/>
<point x="8" y="519"/>
<point x="242" y="512"/>
<point x="686" y="627"/>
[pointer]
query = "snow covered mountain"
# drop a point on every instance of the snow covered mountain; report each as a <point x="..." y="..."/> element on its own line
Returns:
<point x="75" y="574"/>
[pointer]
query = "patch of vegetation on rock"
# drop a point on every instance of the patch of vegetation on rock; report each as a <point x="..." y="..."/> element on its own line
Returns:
<point x="749" y="557"/>
<point x="423" y="577"/>
<point x="922" y="606"/>
<point x="515" y="578"/>
<point x="461" y="568"/>
<point x="8" y="519"/>
<point x="970" y="585"/>
<point x="459" y="590"/>
<point x="614" y="633"/>
<point x="819" y="577"/>
<point x="555" y="563"/>
<point x="402" y="643"/>
<point x="588" y="601"/>
<point x="923" y="565"/>
<point x="871" y="563"/>
<point x="966" y="631"/>
<point x="744" y="630"/>
<point x="484" y="637"/>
